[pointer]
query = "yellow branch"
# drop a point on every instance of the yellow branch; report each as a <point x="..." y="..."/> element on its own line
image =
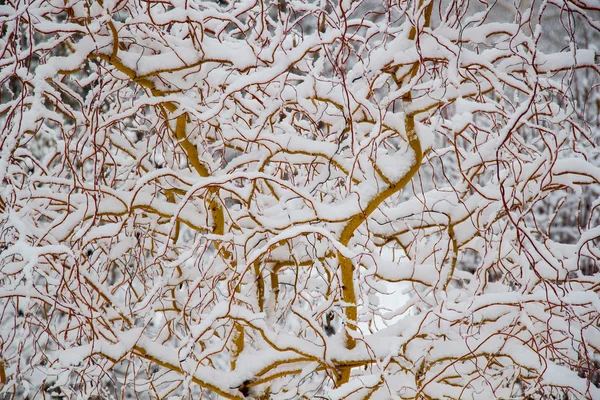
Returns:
<point x="2" y="375"/>
<point x="346" y="266"/>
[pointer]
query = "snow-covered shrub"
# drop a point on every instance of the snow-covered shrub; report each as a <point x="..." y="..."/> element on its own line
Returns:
<point x="299" y="199"/>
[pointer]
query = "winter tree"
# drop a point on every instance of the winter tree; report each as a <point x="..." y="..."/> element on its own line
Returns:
<point x="288" y="199"/>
